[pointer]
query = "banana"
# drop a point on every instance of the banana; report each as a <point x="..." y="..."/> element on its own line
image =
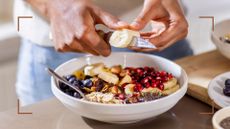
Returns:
<point x="125" y="79"/>
<point x="122" y="38"/>
<point x="171" y="90"/>
<point x="95" y="69"/>
<point x="108" y="77"/>
<point x="169" y="84"/>
<point x="151" y="90"/>
<point x="129" y="89"/>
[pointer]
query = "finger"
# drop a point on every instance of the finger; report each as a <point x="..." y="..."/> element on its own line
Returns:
<point x="175" y="32"/>
<point x="85" y="33"/>
<point x="149" y="12"/>
<point x="76" y="46"/>
<point x="109" y="20"/>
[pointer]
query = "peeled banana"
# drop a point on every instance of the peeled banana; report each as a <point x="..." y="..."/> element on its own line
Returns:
<point x="122" y="38"/>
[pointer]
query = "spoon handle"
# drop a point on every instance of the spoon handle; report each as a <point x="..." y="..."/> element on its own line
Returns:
<point x="56" y="76"/>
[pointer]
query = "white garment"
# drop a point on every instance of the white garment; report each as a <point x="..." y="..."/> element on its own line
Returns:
<point x="36" y="29"/>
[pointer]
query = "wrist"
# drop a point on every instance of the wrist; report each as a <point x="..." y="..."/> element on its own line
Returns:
<point x="40" y="6"/>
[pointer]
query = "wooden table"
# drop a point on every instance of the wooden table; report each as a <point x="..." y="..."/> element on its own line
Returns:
<point x="201" y="69"/>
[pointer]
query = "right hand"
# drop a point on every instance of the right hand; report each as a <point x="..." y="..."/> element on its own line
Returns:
<point x="73" y="26"/>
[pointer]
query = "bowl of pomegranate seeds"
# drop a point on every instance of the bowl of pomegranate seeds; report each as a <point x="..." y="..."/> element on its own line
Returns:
<point x="122" y="88"/>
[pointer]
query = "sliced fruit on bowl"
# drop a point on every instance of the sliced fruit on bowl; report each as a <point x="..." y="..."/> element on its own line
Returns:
<point x="125" y="79"/>
<point x="171" y="83"/>
<point x="129" y="89"/>
<point x="109" y="77"/>
<point x="95" y="69"/>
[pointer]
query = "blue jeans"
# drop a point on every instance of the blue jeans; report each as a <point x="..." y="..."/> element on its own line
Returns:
<point x="33" y="82"/>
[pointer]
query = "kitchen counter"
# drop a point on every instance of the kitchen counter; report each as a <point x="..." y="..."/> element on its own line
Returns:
<point x="51" y="114"/>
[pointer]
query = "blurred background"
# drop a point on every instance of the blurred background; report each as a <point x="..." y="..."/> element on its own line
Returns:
<point x="199" y="34"/>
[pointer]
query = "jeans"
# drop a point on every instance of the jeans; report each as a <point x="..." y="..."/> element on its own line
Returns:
<point x="33" y="82"/>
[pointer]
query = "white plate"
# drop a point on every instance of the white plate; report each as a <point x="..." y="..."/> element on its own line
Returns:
<point x="215" y="90"/>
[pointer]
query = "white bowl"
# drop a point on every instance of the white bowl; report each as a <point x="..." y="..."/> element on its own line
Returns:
<point x="215" y="90"/>
<point x="219" y="116"/>
<point x="120" y="113"/>
<point x="221" y="29"/>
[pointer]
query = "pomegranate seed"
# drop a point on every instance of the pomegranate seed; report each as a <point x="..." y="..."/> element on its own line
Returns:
<point x="139" y="70"/>
<point x="163" y="73"/>
<point x="146" y="68"/>
<point x="150" y="78"/>
<point x="161" y="87"/>
<point x="145" y="80"/>
<point x="147" y="85"/>
<point x="138" y="87"/>
<point x="154" y="85"/>
<point x="170" y="76"/>
<point x="158" y="78"/>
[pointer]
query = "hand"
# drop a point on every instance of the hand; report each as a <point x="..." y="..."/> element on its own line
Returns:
<point x="73" y="25"/>
<point x="168" y="23"/>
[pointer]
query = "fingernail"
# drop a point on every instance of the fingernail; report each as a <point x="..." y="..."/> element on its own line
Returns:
<point x="122" y="23"/>
<point x="135" y="25"/>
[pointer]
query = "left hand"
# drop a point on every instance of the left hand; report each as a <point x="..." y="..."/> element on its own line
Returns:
<point x="168" y="23"/>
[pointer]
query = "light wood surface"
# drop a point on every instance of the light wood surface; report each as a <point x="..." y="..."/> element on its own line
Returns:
<point x="201" y="69"/>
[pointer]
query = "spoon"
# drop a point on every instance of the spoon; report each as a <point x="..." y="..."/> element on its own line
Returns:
<point x="61" y="79"/>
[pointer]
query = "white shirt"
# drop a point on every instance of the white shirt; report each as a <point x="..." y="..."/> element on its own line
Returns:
<point x="36" y="29"/>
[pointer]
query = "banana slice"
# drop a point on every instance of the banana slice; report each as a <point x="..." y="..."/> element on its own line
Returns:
<point x="151" y="90"/>
<point x="108" y="77"/>
<point x="171" y="90"/>
<point x="97" y="68"/>
<point x="169" y="84"/>
<point x="122" y="38"/>
<point x="129" y="89"/>
<point x="125" y="79"/>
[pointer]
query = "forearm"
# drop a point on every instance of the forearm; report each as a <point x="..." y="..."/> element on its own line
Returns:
<point x="40" y="5"/>
<point x="173" y="7"/>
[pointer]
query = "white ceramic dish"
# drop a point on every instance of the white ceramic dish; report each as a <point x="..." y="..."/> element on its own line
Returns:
<point x="221" y="29"/>
<point x="215" y="90"/>
<point x="120" y="113"/>
<point x="219" y="116"/>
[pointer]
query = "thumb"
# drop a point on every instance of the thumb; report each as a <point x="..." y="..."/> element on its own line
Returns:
<point x="150" y="11"/>
<point x="110" y="21"/>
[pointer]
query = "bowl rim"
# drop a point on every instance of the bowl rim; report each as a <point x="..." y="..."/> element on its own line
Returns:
<point x="214" y="122"/>
<point x="213" y="32"/>
<point x="209" y="88"/>
<point x="185" y="85"/>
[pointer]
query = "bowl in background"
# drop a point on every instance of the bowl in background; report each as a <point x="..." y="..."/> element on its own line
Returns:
<point x="219" y="116"/>
<point x="222" y="28"/>
<point x="122" y="113"/>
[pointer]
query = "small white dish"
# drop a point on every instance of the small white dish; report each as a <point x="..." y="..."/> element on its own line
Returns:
<point x="215" y="90"/>
<point x="222" y="28"/>
<point x="122" y="113"/>
<point x="219" y="116"/>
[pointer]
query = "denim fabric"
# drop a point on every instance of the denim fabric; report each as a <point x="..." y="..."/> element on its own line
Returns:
<point x="33" y="82"/>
